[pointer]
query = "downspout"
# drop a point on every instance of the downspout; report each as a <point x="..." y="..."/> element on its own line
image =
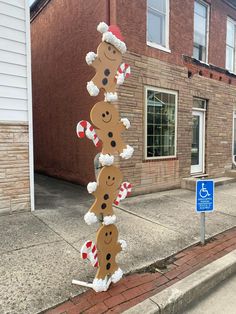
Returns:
<point x="108" y="12"/>
<point x="234" y="126"/>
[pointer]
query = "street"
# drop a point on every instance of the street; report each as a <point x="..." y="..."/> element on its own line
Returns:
<point x="220" y="300"/>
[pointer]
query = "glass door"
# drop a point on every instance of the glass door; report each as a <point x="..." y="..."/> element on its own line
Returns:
<point x="234" y="139"/>
<point x="197" y="151"/>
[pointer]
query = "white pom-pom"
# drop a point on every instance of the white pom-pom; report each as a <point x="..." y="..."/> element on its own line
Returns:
<point x="106" y="160"/>
<point x="90" y="57"/>
<point x="117" y="275"/>
<point x="123" y="244"/>
<point x="110" y="97"/>
<point x="102" y="27"/>
<point x="126" y="122"/>
<point x="90" y="218"/>
<point x="92" y="89"/>
<point x="100" y="285"/>
<point x="91" y="187"/>
<point x="127" y="152"/>
<point x="109" y="220"/>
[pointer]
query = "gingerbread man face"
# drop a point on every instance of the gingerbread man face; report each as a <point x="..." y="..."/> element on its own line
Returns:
<point x="104" y="116"/>
<point x="107" y="237"/>
<point x="108" y="53"/>
<point x="110" y="178"/>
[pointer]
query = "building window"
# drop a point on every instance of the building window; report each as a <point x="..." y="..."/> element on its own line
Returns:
<point x="200" y="31"/>
<point x="230" y="45"/>
<point x="158" y="23"/>
<point x="161" y="109"/>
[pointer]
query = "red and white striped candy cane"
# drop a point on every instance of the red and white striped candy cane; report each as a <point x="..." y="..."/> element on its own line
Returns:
<point x="89" y="251"/>
<point x="125" y="190"/>
<point x="124" y="69"/>
<point x="85" y="125"/>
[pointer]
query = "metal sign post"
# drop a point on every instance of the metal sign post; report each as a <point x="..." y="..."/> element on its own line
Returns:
<point x="204" y="202"/>
<point x="202" y="228"/>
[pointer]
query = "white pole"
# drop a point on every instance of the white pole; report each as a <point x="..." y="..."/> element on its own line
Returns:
<point x="82" y="283"/>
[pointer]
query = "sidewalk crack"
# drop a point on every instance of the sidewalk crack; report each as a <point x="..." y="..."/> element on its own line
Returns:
<point x="63" y="239"/>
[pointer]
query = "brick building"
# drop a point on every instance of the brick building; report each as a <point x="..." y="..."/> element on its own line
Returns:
<point x="16" y="136"/>
<point x="180" y="99"/>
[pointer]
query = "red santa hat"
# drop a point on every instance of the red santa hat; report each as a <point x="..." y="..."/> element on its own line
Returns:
<point x="112" y="35"/>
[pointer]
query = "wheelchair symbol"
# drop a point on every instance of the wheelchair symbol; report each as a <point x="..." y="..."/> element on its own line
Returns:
<point x="203" y="192"/>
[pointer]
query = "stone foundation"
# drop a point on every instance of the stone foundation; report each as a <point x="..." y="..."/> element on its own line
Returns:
<point x="14" y="168"/>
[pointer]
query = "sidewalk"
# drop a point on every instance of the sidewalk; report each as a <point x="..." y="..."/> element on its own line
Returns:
<point x="40" y="252"/>
<point x="133" y="289"/>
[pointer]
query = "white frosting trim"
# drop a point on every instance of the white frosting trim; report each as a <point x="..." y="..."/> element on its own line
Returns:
<point x="109" y="220"/>
<point x="117" y="275"/>
<point x="90" y="57"/>
<point x="92" y="187"/>
<point x="127" y="152"/>
<point x="90" y="218"/>
<point x="92" y="89"/>
<point x="110" y="97"/>
<point x="106" y="160"/>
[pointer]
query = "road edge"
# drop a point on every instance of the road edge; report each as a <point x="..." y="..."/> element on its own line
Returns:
<point x="176" y="297"/>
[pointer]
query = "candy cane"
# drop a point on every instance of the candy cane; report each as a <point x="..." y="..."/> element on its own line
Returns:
<point x="123" y="72"/>
<point x="124" y="191"/>
<point x="91" y="134"/>
<point x="89" y="251"/>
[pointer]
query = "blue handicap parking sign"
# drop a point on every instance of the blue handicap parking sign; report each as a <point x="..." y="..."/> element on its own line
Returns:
<point x="205" y="196"/>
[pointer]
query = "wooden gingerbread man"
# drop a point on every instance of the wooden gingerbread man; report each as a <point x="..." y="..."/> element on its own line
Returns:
<point x="105" y="192"/>
<point x="107" y="63"/>
<point x="106" y="118"/>
<point x="108" y="247"/>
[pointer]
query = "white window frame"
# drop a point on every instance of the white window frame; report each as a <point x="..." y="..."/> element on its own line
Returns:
<point x="203" y="110"/>
<point x="207" y="28"/>
<point x="234" y="65"/>
<point x="165" y="48"/>
<point x="161" y="90"/>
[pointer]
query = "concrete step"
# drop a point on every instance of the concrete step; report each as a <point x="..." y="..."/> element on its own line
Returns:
<point x="190" y="183"/>
<point x="231" y="173"/>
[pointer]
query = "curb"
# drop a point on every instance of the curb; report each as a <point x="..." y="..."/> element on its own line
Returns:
<point x="176" y="297"/>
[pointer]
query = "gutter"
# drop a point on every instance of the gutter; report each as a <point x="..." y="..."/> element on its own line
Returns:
<point x="37" y="7"/>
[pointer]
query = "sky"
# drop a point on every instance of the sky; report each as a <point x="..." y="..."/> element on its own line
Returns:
<point x="31" y="1"/>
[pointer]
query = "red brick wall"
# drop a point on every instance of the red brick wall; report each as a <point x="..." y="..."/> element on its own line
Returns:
<point x="65" y="31"/>
<point x="131" y="16"/>
<point x="61" y="35"/>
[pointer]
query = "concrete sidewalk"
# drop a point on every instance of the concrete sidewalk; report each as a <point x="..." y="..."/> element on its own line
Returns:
<point x="40" y="252"/>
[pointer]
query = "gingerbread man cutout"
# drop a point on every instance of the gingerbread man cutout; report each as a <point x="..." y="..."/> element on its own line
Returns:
<point x="105" y="192"/>
<point x="106" y="118"/>
<point x="108" y="247"/>
<point x="107" y="63"/>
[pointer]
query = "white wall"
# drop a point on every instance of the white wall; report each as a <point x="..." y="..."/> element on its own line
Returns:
<point x="15" y="85"/>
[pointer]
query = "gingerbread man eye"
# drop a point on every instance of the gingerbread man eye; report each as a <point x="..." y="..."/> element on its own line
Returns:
<point x="103" y="115"/>
<point x="113" y="178"/>
<point x="114" y="51"/>
<point x="106" y="234"/>
<point x="110" y="232"/>
<point x="107" y="112"/>
<point x="109" y="47"/>
<point x="109" y="177"/>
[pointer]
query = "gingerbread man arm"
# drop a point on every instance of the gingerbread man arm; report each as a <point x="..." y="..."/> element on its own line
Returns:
<point x="121" y="245"/>
<point x="92" y="187"/>
<point x="124" y="124"/>
<point x="92" y="59"/>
